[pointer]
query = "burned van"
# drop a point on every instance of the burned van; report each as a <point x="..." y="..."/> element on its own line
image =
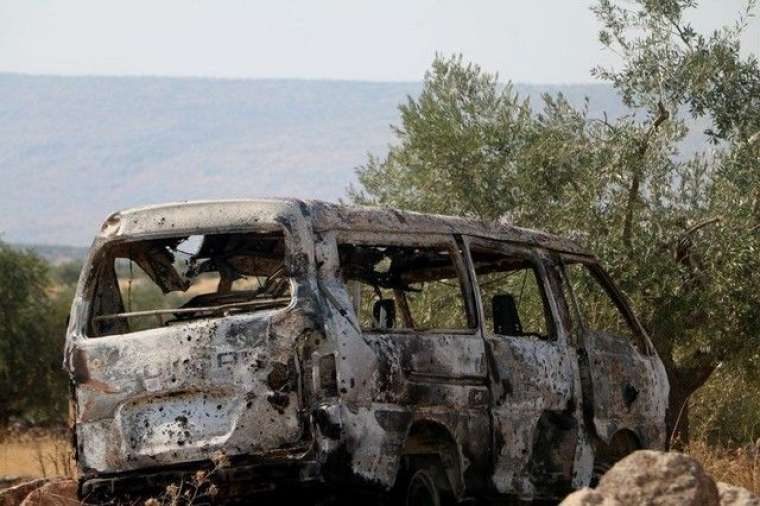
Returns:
<point x="306" y="343"/>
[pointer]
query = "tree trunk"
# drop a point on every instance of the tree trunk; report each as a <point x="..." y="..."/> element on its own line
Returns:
<point x="5" y="413"/>
<point x="677" y="417"/>
<point x="684" y="381"/>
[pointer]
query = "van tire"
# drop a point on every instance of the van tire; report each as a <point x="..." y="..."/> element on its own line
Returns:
<point x="425" y="487"/>
<point x="422" y="490"/>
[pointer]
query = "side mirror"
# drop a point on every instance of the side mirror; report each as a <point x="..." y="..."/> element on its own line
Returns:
<point x="506" y="320"/>
<point x="384" y="314"/>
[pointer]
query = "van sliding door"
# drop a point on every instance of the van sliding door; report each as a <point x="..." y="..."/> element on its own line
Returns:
<point x="534" y="371"/>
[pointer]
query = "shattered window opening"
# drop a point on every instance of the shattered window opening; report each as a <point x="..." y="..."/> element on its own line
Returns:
<point x="600" y="311"/>
<point x="159" y="282"/>
<point x="405" y="288"/>
<point x="511" y="284"/>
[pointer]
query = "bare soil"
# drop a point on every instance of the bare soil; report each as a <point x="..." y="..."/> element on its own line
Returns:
<point x="35" y="453"/>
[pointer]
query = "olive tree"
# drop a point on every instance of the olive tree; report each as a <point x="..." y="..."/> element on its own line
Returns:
<point x="32" y="318"/>
<point x="681" y="235"/>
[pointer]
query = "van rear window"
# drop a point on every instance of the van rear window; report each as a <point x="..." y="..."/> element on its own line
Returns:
<point x="159" y="282"/>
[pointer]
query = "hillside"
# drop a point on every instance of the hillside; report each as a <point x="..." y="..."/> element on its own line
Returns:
<point x="73" y="149"/>
<point x="55" y="254"/>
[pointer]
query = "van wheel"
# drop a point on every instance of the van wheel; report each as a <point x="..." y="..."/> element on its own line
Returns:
<point x="422" y="490"/>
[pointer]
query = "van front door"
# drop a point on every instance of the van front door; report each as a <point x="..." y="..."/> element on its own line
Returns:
<point x="533" y="369"/>
<point x="626" y="388"/>
<point x="414" y="309"/>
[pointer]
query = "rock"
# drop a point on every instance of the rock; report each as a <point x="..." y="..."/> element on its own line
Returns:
<point x="659" y="479"/>
<point x="731" y="495"/>
<point x="9" y="481"/>
<point x="55" y="493"/>
<point x="14" y="495"/>
<point x="588" y="497"/>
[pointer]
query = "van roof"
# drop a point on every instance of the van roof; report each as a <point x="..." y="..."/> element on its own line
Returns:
<point x="324" y="216"/>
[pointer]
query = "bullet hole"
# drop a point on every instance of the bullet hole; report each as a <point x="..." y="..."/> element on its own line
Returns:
<point x="279" y="401"/>
<point x="279" y="376"/>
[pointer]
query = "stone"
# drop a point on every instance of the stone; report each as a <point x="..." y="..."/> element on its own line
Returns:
<point x="731" y="495"/>
<point x="56" y="493"/>
<point x="659" y="479"/>
<point x="588" y="497"/>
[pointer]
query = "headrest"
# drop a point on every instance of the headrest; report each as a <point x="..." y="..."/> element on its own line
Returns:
<point x="506" y="320"/>
<point x="384" y="314"/>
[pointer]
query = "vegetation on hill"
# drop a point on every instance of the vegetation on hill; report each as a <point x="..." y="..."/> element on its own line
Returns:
<point x="56" y="254"/>
<point x="34" y="305"/>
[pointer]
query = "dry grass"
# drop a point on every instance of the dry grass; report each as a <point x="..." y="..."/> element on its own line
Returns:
<point x="201" y="486"/>
<point x="735" y="466"/>
<point x="43" y="453"/>
<point x="35" y="453"/>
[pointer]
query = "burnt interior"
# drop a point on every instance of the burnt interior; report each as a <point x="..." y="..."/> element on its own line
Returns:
<point x="158" y="282"/>
<point x="514" y="301"/>
<point x="405" y="287"/>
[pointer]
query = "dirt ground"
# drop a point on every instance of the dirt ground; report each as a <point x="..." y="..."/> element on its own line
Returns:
<point x="42" y="453"/>
<point x="35" y="453"/>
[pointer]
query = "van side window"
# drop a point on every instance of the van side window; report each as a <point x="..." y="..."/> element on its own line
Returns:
<point x="598" y="310"/>
<point x="399" y="287"/>
<point x="513" y="299"/>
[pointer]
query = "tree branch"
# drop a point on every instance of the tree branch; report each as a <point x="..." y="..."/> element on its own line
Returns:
<point x="697" y="369"/>
<point x="681" y="34"/>
<point x="633" y="191"/>
<point x="605" y="123"/>
<point x="700" y="225"/>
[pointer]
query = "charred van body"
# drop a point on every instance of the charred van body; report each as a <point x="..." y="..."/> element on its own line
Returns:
<point x="311" y="343"/>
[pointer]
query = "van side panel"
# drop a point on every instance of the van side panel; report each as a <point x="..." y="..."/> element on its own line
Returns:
<point x="392" y="382"/>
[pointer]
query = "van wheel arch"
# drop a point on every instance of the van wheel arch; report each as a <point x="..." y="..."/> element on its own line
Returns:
<point x="621" y="444"/>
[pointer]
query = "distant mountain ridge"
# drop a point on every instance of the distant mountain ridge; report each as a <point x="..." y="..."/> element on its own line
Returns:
<point x="55" y="254"/>
<point x="74" y="149"/>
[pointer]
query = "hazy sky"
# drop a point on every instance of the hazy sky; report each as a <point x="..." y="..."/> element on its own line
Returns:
<point x="547" y="41"/>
